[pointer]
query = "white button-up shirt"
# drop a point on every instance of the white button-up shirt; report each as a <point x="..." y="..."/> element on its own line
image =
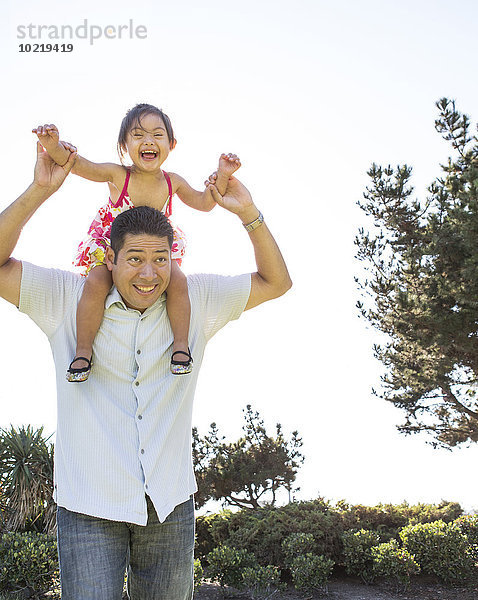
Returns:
<point x="126" y="431"/>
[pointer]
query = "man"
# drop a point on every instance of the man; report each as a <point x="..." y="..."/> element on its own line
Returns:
<point x="123" y="469"/>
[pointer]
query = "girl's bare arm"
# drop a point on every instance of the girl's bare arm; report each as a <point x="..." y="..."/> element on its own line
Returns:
<point x="191" y="197"/>
<point x="49" y="138"/>
<point x="228" y="164"/>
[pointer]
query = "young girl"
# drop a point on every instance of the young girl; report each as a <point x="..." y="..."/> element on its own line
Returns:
<point x="146" y="135"/>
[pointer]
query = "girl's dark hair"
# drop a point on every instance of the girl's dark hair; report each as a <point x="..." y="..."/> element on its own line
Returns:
<point x="136" y="221"/>
<point x="133" y="117"/>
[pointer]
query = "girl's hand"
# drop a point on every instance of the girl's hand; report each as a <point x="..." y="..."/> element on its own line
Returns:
<point x="228" y="164"/>
<point x="48" y="136"/>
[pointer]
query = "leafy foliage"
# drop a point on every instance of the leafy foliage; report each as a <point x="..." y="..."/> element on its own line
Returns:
<point x="441" y="549"/>
<point x="261" y="582"/>
<point x="420" y="287"/>
<point x="393" y="562"/>
<point x="27" y="560"/>
<point x="26" y="480"/>
<point x="388" y="519"/>
<point x="198" y="574"/>
<point x="358" y="555"/>
<point x="297" y="544"/>
<point x="468" y="525"/>
<point x="226" y="564"/>
<point x="245" y="472"/>
<point x="310" y="572"/>
<point x="262" y="531"/>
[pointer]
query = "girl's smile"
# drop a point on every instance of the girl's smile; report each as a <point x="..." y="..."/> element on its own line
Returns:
<point x="147" y="143"/>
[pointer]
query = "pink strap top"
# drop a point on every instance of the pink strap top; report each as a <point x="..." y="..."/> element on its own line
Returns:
<point x="167" y="208"/>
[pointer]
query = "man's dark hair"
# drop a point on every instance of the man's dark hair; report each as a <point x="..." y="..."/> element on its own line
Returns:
<point x="139" y="220"/>
<point x="133" y="119"/>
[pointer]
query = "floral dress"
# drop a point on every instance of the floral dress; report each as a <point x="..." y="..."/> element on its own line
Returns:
<point x="91" y="251"/>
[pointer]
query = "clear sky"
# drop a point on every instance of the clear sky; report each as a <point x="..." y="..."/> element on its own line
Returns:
<point x="308" y="93"/>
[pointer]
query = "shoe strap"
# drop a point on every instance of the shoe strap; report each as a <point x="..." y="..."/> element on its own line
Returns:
<point x="181" y="352"/>
<point x="88" y="360"/>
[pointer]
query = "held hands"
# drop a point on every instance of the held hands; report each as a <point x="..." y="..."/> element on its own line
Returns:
<point x="228" y="164"/>
<point x="237" y="198"/>
<point x="48" y="175"/>
<point x="49" y="138"/>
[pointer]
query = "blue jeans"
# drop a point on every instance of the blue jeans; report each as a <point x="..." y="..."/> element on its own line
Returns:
<point x="94" y="554"/>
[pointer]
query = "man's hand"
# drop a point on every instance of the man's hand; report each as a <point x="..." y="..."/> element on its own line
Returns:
<point x="48" y="178"/>
<point x="48" y="175"/>
<point x="237" y="199"/>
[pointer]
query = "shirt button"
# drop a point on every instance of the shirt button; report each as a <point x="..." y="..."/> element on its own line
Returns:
<point x="140" y="417"/>
<point x="138" y="351"/>
<point x="142" y="451"/>
<point x="136" y="383"/>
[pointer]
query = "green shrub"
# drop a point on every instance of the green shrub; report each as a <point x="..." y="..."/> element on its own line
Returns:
<point x="393" y="562"/>
<point x="441" y="549"/>
<point x="262" y="530"/>
<point x="211" y="531"/>
<point x="27" y="560"/>
<point x="388" y="519"/>
<point x="310" y="572"/>
<point x="358" y="558"/>
<point x="468" y="525"/>
<point x="225" y="565"/>
<point x="297" y="544"/>
<point x="198" y="574"/>
<point x="261" y="582"/>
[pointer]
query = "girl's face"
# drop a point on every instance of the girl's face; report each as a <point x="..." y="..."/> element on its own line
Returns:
<point x="147" y="143"/>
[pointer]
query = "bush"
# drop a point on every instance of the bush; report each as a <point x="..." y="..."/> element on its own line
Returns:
<point x="225" y="565"/>
<point x="311" y="572"/>
<point x="468" y="525"/>
<point x="211" y="531"/>
<point x="261" y="582"/>
<point x="262" y="530"/>
<point x="388" y="519"/>
<point x="358" y="557"/>
<point x="198" y="574"/>
<point x="27" y="560"/>
<point x="441" y="549"/>
<point x="297" y="544"/>
<point x="393" y="562"/>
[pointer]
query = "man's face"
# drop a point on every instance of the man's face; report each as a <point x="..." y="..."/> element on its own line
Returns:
<point x="142" y="270"/>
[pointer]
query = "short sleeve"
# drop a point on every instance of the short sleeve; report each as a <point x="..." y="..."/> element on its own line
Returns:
<point x="47" y="295"/>
<point x="218" y="299"/>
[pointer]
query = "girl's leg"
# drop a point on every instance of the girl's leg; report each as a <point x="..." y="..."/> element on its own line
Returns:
<point x="179" y="313"/>
<point x="89" y="315"/>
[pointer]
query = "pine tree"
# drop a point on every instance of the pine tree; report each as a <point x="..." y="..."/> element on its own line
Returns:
<point x="420" y="287"/>
<point x="248" y="471"/>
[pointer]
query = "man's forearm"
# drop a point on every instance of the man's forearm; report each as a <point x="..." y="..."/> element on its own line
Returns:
<point x="272" y="278"/>
<point x="15" y="216"/>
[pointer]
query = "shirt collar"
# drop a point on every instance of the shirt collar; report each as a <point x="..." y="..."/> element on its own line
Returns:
<point x="114" y="297"/>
